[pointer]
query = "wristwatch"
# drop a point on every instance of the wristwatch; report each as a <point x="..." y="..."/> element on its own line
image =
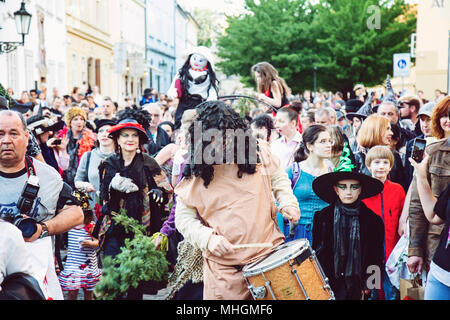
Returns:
<point x="44" y="232"/>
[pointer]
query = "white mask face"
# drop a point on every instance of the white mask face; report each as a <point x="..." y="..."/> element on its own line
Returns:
<point x="198" y="61"/>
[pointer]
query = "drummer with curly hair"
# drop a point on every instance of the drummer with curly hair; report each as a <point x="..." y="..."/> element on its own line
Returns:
<point x="233" y="198"/>
<point x="348" y="237"/>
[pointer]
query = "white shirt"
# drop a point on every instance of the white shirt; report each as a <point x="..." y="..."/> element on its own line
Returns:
<point x="286" y="150"/>
<point x="14" y="255"/>
<point x="178" y="159"/>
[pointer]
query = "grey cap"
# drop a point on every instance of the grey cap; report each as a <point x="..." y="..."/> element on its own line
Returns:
<point x="339" y="115"/>
<point x="427" y="109"/>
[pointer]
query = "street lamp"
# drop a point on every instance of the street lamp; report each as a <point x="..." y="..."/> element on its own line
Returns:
<point x="2" y="9"/>
<point x="23" y="22"/>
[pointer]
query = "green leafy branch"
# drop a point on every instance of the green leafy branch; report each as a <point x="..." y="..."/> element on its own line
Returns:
<point x="137" y="262"/>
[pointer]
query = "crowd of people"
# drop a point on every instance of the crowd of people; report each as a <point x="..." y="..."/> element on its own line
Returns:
<point x="338" y="172"/>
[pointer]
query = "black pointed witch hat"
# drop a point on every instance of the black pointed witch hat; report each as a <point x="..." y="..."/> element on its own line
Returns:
<point x="364" y="111"/>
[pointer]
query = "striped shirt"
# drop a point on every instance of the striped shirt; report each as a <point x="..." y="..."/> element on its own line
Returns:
<point x="81" y="267"/>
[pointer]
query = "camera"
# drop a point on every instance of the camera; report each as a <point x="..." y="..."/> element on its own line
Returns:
<point x="29" y="194"/>
<point x="25" y="224"/>
<point x="57" y="142"/>
<point x="24" y="204"/>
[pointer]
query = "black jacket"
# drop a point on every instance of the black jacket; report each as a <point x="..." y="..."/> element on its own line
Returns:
<point x="145" y="172"/>
<point x="162" y="140"/>
<point x="372" y="248"/>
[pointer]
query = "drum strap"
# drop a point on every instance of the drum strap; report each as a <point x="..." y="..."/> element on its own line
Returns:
<point x="302" y="256"/>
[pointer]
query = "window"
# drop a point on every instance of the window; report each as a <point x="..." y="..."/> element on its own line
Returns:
<point x="51" y="79"/>
<point x="158" y="83"/>
<point x="74" y="70"/>
<point x="13" y="74"/>
<point x="61" y="83"/>
<point x="83" y="70"/>
<point x="29" y="69"/>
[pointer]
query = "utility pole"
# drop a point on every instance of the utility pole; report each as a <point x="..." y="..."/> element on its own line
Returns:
<point x="315" y="79"/>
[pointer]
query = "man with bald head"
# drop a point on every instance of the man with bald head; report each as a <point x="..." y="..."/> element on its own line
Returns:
<point x="159" y="137"/>
<point x="53" y="207"/>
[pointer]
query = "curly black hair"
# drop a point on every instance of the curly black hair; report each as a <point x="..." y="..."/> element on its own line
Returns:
<point x="143" y="117"/>
<point x="264" y="121"/>
<point x="225" y="121"/>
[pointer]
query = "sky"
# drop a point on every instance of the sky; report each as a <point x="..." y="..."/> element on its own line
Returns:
<point x="225" y="6"/>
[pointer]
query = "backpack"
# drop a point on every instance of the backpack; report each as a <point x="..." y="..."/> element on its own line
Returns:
<point x="295" y="174"/>
<point x="21" y="286"/>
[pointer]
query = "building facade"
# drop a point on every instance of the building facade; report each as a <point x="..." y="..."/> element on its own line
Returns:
<point x="41" y="62"/>
<point x="89" y="46"/>
<point x="120" y="46"/>
<point x="128" y="29"/>
<point x="161" y="47"/>
<point x="171" y="30"/>
<point x="186" y="33"/>
<point x="433" y="46"/>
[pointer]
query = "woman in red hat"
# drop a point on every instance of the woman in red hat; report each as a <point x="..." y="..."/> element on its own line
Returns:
<point x="130" y="180"/>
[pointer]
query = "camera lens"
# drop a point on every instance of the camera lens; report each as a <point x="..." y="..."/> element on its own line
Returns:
<point x="27" y="226"/>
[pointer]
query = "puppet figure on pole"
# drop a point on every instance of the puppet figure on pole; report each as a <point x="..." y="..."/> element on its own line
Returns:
<point x="195" y="82"/>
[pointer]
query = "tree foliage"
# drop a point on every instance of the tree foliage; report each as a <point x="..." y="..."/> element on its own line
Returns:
<point x="209" y="30"/>
<point x="351" y="51"/>
<point x="295" y="35"/>
<point x="137" y="262"/>
<point x="4" y="93"/>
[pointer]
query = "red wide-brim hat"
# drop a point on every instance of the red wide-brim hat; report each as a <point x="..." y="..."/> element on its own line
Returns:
<point x="128" y="124"/>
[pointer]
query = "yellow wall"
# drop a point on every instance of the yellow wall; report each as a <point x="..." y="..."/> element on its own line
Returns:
<point x="433" y="26"/>
<point x="89" y="36"/>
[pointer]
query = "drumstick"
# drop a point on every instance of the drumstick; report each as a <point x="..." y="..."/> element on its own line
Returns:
<point x="253" y="245"/>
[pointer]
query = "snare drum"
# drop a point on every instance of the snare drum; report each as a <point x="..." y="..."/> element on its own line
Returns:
<point x="290" y="272"/>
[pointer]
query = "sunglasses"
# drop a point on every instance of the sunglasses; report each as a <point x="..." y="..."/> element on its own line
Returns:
<point x="345" y="187"/>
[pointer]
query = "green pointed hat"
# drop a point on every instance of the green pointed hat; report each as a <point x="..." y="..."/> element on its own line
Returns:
<point x="346" y="170"/>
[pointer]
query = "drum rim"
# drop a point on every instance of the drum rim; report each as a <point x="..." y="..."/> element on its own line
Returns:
<point x="275" y="264"/>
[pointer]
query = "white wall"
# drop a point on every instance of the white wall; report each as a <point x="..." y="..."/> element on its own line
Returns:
<point x="21" y="66"/>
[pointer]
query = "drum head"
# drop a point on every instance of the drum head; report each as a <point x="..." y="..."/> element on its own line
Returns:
<point x="278" y="257"/>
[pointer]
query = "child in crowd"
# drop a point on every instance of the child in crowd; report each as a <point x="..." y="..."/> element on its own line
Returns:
<point x="81" y="268"/>
<point x="388" y="205"/>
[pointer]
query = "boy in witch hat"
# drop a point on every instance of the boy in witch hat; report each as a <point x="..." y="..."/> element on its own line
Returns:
<point x="348" y="236"/>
